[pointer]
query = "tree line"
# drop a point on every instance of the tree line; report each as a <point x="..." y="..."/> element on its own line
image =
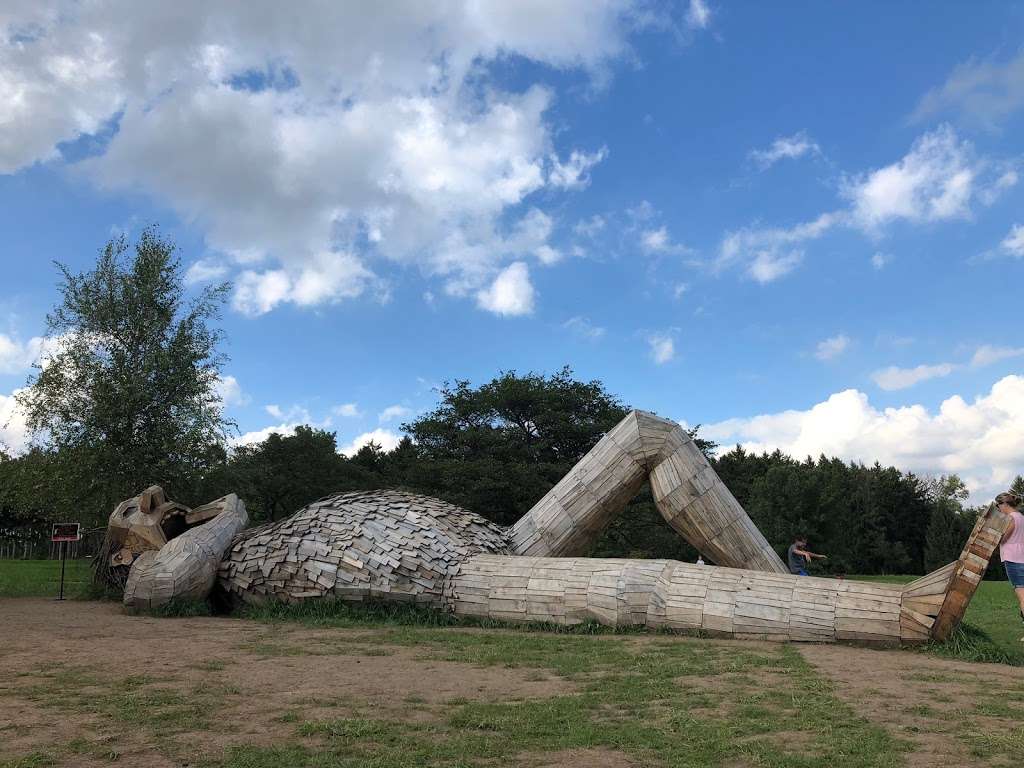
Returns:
<point x="129" y="398"/>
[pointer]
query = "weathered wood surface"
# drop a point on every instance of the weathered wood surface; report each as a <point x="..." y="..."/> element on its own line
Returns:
<point x="969" y="570"/>
<point x="186" y="567"/>
<point x="386" y="545"/>
<point x="723" y="602"/>
<point x="687" y="492"/>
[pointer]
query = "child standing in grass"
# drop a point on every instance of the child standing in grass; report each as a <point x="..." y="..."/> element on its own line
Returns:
<point x="1011" y="549"/>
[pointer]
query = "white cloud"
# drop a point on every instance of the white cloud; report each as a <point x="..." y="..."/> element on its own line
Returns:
<point x="832" y="347"/>
<point x="347" y="410"/>
<point x="936" y="180"/>
<point x="660" y="242"/>
<point x="229" y="391"/>
<point x="768" y="252"/>
<point x="879" y="260"/>
<point x="1013" y="243"/>
<point x="981" y="91"/>
<point x="590" y="227"/>
<point x="14" y="433"/>
<point x="205" y="270"/>
<point x="988" y="354"/>
<point x="662" y="347"/>
<point x="274" y="410"/>
<point x="982" y="441"/>
<point x="768" y="266"/>
<point x="393" y="412"/>
<point x="385" y="438"/>
<point x="312" y="150"/>
<point x="785" y="148"/>
<point x="327" y="277"/>
<point x="295" y="416"/>
<point x="573" y="173"/>
<point x="698" y="15"/>
<point x="893" y="377"/>
<point x="17" y="356"/>
<point x="679" y="289"/>
<point x="511" y="292"/>
<point x="584" y="329"/>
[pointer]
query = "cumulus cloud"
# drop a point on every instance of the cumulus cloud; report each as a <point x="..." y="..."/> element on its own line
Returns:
<point x="982" y="441"/>
<point x="590" y="227"/>
<point x="832" y="347"/>
<point x="385" y="438"/>
<point x="393" y="412"/>
<point x="659" y="241"/>
<point x="936" y="180"/>
<point x="982" y="91"/>
<point x="894" y="377"/>
<point x="511" y="292"/>
<point x="662" y="347"/>
<point x="769" y="265"/>
<point x="584" y="329"/>
<point x="18" y="357"/>
<point x="988" y="354"/>
<point x="14" y="433"/>
<point x="229" y="391"/>
<point x="312" y="150"/>
<point x="879" y="260"/>
<point x="785" y="148"/>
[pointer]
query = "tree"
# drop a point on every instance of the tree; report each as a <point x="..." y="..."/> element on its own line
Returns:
<point x="128" y="393"/>
<point x="497" y="448"/>
<point x="945" y="535"/>
<point x="284" y="473"/>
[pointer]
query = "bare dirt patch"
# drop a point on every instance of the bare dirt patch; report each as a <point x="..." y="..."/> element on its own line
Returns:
<point x="926" y="700"/>
<point x="592" y="758"/>
<point x="259" y="697"/>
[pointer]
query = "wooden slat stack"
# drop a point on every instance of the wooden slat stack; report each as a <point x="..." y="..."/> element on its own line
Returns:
<point x="687" y="491"/>
<point x="724" y="602"/>
<point x="969" y="570"/>
<point x="385" y="545"/>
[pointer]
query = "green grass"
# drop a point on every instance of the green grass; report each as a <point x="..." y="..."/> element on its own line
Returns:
<point x="41" y="578"/>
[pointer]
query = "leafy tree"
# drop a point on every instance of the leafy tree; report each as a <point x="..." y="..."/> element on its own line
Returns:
<point x="498" y="448"/>
<point x="128" y="392"/>
<point x="284" y="473"/>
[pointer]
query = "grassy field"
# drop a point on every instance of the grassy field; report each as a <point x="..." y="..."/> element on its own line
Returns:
<point x="41" y="578"/>
<point x="330" y="685"/>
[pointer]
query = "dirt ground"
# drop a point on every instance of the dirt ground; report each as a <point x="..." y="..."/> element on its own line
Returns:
<point x="916" y="697"/>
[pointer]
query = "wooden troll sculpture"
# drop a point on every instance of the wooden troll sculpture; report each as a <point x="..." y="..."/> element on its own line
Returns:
<point x="395" y="546"/>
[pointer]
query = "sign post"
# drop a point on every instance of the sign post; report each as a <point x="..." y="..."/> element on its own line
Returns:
<point x="65" y="532"/>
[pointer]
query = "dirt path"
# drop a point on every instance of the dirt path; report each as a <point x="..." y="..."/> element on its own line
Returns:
<point x="136" y="689"/>
<point x="941" y="706"/>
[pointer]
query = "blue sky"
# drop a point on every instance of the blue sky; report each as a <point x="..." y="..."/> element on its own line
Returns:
<point x="798" y="224"/>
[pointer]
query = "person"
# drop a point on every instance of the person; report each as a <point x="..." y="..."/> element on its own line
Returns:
<point x="1011" y="548"/>
<point x="700" y="559"/>
<point x="799" y="557"/>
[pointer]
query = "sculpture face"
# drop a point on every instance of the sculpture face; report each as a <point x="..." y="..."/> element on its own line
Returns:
<point x="143" y="523"/>
<point x="389" y="545"/>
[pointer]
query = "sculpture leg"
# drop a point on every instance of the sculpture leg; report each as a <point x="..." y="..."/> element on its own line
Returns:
<point x="687" y="491"/>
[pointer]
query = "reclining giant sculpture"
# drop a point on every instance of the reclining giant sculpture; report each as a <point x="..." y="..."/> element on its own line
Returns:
<point x="391" y="545"/>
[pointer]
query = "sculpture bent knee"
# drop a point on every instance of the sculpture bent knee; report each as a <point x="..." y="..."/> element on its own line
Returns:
<point x="390" y="545"/>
